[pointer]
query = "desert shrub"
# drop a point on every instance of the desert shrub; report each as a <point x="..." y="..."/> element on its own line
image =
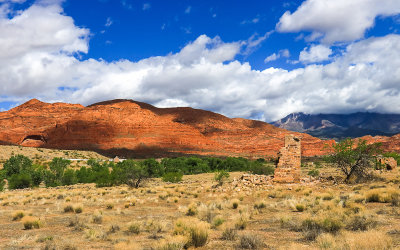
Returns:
<point x="206" y="213"/>
<point x="262" y="169"/>
<point x="77" y="224"/>
<point x="154" y="227"/>
<point x="241" y="221"/>
<point x="78" y="208"/>
<point x="176" y="242"/>
<point x="327" y="197"/>
<point x="312" y="227"/>
<point x="19" y="181"/>
<point x="68" y="208"/>
<point x="113" y="229"/>
<point x="260" y="205"/>
<point x="235" y="203"/>
<point x="250" y="241"/>
<point x="218" y="221"/>
<point x="109" y="206"/>
<point x="221" y="176"/>
<point x="360" y="223"/>
<point x="313" y="172"/>
<point x="192" y="210"/>
<point x="396" y="199"/>
<point x="18" y="215"/>
<point x="134" y="228"/>
<point x="97" y="217"/>
<point x="30" y="222"/>
<point x="300" y="207"/>
<point x="194" y="229"/>
<point x="229" y="233"/>
<point x="173" y="177"/>
<point x="374" y="240"/>
<point x="383" y="195"/>
<point x="199" y="235"/>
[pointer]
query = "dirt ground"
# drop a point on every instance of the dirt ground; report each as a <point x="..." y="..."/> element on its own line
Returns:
<point x="151" y="217"/>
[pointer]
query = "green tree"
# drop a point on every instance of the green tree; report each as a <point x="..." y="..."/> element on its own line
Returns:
<point x="50" y="179"/>
<point x="69" y="177"/>
<point x="154" y="168"/>
<point x="17" y="164"/>
<point x="221" y="177"/>
<point x="354" y="161"/>
<point x="129" y="172"/>
<point x="58" y="166"/>
<point x="37" y="176"/>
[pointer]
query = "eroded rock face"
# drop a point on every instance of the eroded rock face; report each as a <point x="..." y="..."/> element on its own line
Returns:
<point x="289" y="161"/>
<point x="388" y="163"/>
<point x="133" y="129"/>
<point x="388" y="144"/>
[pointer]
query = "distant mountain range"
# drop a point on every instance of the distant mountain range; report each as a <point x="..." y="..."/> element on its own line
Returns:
<point x="339" y="126"/>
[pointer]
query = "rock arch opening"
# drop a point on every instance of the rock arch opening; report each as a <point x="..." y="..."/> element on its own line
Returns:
<point x="35" y="138"/>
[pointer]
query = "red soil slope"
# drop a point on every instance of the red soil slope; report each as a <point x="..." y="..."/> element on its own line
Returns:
<point x="134" y="129"/>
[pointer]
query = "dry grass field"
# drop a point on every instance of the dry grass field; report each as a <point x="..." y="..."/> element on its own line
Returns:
<point x="44" y="154"/>
<point x="196" y="214"/>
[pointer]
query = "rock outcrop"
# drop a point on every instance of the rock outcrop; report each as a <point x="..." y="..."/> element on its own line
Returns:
<point x="388" y="163"/>
<point x="133" y="129"/>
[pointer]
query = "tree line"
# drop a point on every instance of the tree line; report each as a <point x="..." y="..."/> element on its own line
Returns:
<point x="21" y="172"/>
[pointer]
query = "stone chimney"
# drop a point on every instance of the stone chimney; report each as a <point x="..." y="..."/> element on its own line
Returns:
<point x="289" y="161"/>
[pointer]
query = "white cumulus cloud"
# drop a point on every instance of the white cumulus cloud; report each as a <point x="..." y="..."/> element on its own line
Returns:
<point x="316" y="53"/>
<point x="337" y="20"/>
<point x="275" y="56"/>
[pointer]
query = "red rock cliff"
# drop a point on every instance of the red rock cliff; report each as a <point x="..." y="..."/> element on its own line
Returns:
<point x="130" y="128"/>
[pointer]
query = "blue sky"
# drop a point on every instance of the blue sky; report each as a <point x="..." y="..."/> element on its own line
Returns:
<point x="127" y="30"/>
<point x="252" y="59"/>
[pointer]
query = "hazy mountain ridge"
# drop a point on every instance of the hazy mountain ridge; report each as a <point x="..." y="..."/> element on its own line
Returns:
<point x="339" y="126"/>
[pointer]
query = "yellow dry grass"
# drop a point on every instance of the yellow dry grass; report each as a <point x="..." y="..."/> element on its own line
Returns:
<point x="156" y="216"/>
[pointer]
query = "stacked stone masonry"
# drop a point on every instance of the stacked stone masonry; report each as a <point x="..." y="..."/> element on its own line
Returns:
<point x="289" y="161"/>
<point x="389" y="163"/>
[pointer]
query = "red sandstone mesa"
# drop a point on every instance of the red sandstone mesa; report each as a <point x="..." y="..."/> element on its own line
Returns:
<point x="134" y="129"/>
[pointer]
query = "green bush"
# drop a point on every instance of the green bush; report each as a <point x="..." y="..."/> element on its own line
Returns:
<point x="84" y="175"/>
<point x="69" y="177"/>
<point x="153" y="167"/>
<point x="262" y="169"/>
<point x="313" y="172"/>
<point x="221" y="176"/>
<point x="2" y="184"/>
<point x="37" y="177"/>
<point x="172" y="177"/>
<point x="50" y="179"/>
<point x="19" y="181"/>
